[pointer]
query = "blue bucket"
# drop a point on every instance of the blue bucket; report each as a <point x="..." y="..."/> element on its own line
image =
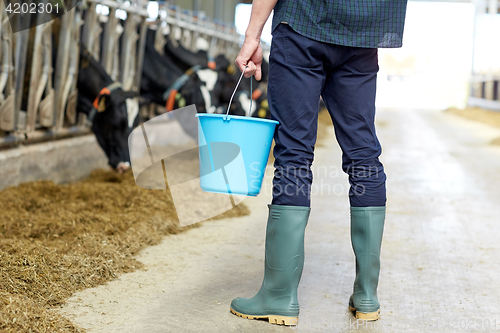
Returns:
<point x="233" y="152"/>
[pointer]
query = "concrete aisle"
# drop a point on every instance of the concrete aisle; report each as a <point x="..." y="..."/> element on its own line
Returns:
<point x="440" y="266"/>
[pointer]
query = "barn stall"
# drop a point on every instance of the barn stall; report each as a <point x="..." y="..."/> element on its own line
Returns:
<point x="38" y="98"/>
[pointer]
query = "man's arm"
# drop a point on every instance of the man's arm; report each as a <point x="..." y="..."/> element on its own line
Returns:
<point x="251" y="51"/>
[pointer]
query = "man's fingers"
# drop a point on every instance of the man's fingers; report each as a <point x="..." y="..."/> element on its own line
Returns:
<point x="250" y="70"/>
<point x="240" y="63"/>
<point x="258" y="73"/>
<point x="242" y="66"/>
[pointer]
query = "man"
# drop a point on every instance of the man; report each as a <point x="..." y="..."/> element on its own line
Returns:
<point x="322" y="48"/>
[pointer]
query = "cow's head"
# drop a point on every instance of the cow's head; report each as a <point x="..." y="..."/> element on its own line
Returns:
<point x="112" y="124"/>
<point x="116" y="109"/>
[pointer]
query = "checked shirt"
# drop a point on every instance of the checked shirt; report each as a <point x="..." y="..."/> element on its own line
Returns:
<point x="356" y="23"/>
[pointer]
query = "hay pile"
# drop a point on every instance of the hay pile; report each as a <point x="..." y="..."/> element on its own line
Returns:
<point x="325" y="126"/>
<point x="324" y="118"/>
<point x="484" y="116"/>
<point x="58" y="239"/>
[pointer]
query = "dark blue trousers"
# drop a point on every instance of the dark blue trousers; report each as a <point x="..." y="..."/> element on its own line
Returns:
<point x="300" y="70"/>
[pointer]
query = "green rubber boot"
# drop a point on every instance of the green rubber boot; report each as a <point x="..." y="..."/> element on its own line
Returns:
<point x="277" y="298"/>
<point x="367" y="226"/>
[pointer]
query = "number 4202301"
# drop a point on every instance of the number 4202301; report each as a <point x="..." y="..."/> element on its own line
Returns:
<point x="32" y="8"/>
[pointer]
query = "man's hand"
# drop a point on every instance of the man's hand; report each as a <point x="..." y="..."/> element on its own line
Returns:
<point x="251" y="51"/>
<point x="251" y="55"/>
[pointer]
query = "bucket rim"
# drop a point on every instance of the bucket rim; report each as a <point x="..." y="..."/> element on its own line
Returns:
<point x="237" y="117"/>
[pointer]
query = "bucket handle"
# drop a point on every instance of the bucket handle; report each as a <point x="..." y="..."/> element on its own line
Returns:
<point x="234" y="92"/>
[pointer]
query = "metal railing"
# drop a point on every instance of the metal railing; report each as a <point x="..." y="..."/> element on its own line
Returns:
<point x="39" y="103"/>
<point x="221" y="37"/>
<point x="188" y="25"/>
<point x="38" y="99"/>
<point x="485" y="92"/>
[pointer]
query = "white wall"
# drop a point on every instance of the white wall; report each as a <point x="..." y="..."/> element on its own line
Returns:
<point x="487" y="44"/>
<point x="435" y="60"/>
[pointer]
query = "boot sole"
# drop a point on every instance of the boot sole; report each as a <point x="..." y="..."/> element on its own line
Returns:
<point x="273" y="319"/>
<point x="370" y="316"/>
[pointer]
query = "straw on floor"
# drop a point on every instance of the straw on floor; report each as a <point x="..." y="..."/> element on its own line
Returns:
<point x="57" y="239"/>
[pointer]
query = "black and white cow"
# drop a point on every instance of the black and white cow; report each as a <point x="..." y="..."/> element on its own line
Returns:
<point x="165" y="83"/>
<point x="186" y="59"/>
<point x="113" y="111"/>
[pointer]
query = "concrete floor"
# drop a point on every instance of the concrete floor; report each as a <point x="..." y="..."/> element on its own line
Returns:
<point x="440" y="266"/>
